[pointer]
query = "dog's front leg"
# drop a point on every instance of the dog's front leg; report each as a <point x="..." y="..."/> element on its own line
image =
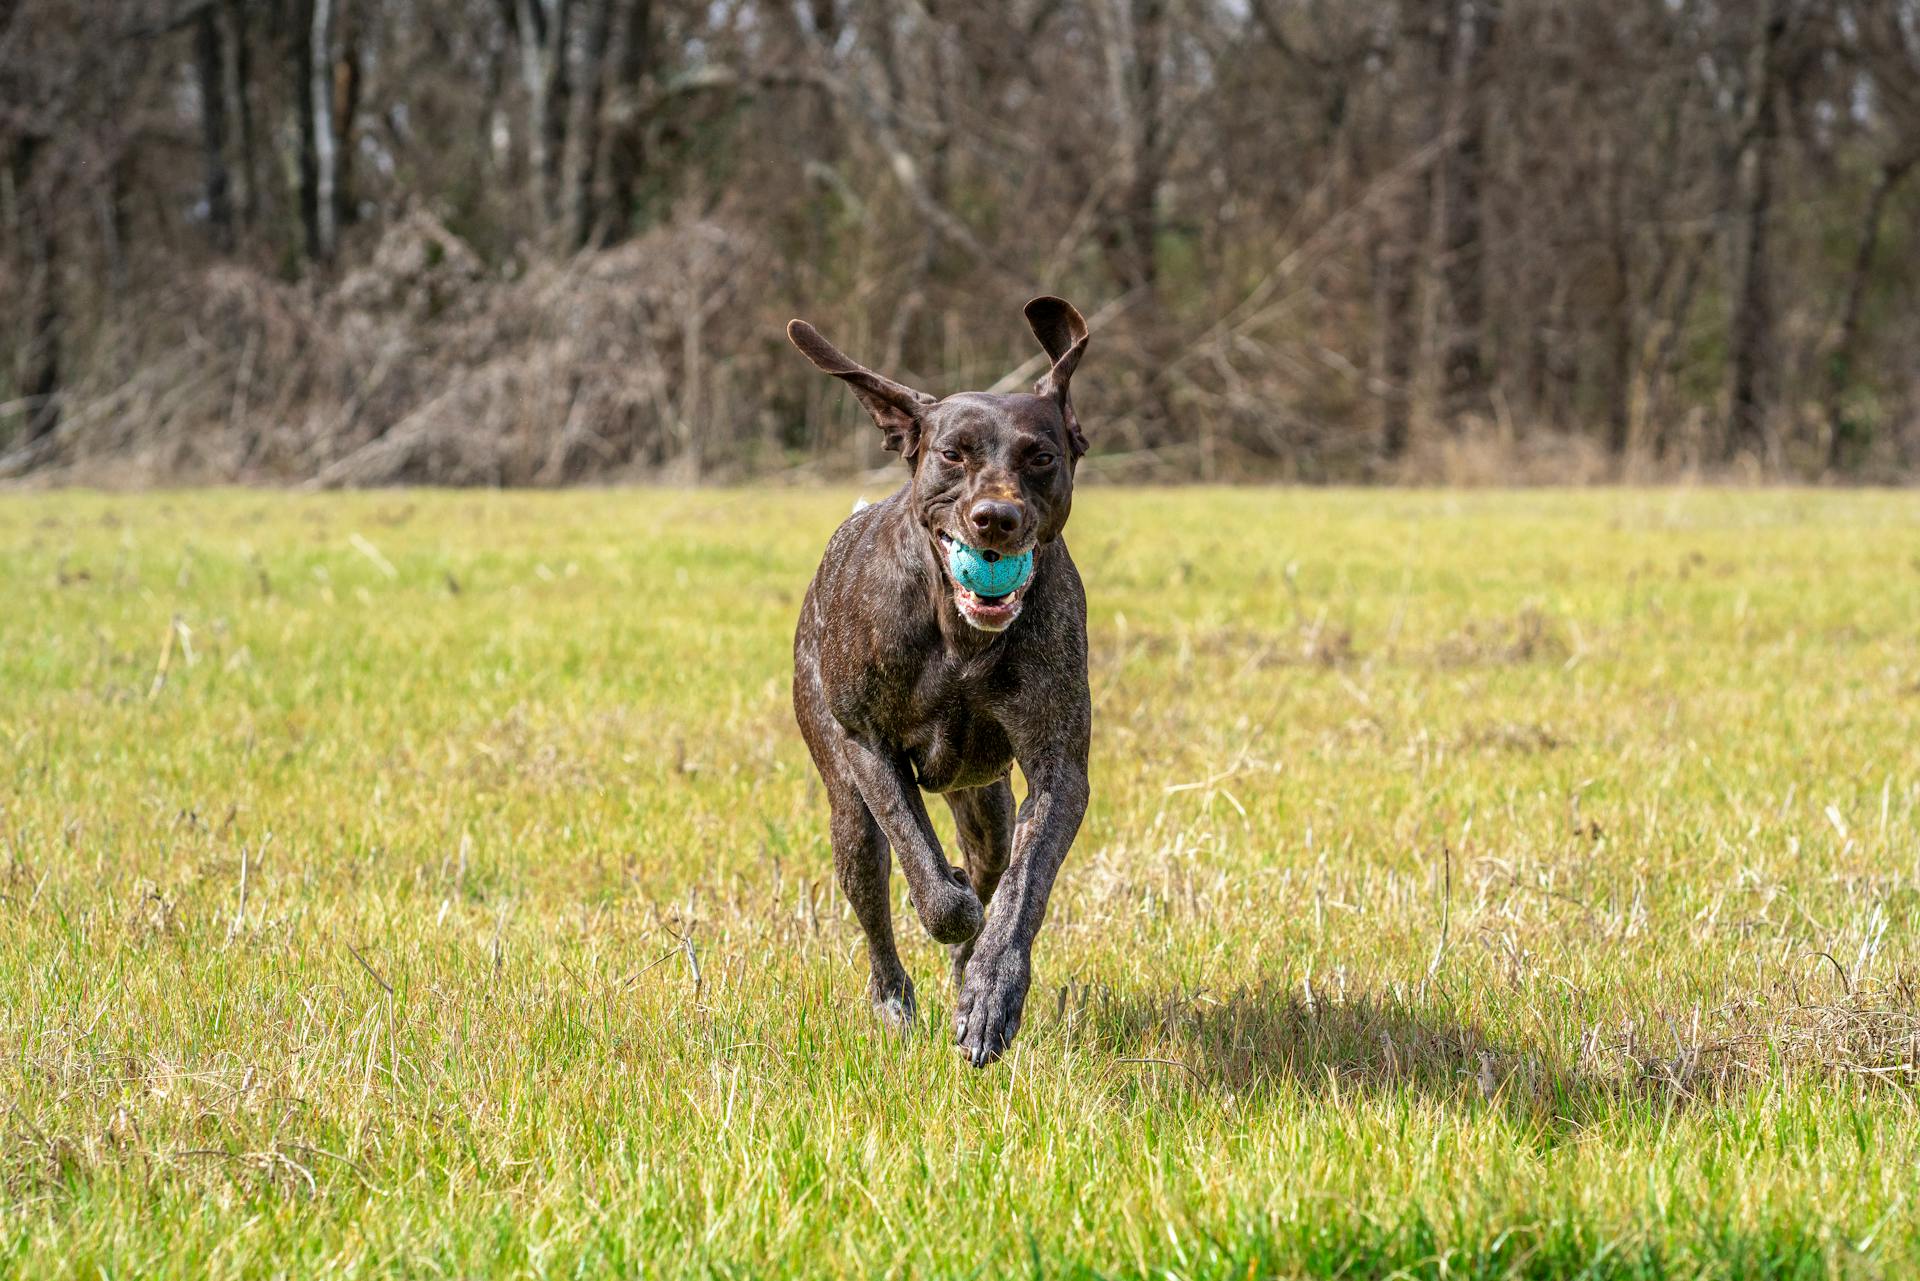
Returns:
<point x="946" y="904"/>
<point x="994" y="991"/>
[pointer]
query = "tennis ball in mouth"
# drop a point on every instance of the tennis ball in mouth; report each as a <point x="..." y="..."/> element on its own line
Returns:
<point x="988" y="573"/>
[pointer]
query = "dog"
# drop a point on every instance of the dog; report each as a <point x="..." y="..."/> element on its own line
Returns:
<point x="905" y="680"/>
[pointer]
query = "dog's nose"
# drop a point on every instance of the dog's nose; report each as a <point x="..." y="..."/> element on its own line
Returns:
<point x="994" y="518"/>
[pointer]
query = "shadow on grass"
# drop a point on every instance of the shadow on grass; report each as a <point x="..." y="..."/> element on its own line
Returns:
<point x="1261" y="1036"/>
<point x="1332" y="1043"/>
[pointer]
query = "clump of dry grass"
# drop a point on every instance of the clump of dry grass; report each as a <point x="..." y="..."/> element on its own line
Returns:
<point x="427" y="365"/>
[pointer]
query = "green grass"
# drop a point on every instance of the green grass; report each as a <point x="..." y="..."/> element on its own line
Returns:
<point x="1475" y="885"/>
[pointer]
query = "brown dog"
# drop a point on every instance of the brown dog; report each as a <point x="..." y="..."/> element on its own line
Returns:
<point x="904" y="679"/>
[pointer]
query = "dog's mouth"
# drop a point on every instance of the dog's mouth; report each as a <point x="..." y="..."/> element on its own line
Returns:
<point x="985" y="613"/>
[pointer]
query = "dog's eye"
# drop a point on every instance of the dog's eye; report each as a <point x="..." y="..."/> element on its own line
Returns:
<point x="951" y="455"/>
<point x="1042" y="460"/>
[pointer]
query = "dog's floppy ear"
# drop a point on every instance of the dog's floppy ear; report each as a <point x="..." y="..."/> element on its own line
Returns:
<point x="895" y="407"/>
<point x="1064" y="334"/>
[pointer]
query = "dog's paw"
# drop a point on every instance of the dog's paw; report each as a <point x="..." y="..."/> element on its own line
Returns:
<point x="953" y="913"/>
<point x="895" y="1007"/>
<point x="991" y="1001"/>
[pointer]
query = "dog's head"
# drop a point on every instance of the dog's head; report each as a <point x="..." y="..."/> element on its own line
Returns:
<point x="992" y="473"/>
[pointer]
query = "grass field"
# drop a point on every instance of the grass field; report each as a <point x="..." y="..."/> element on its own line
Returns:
<point x="1474" y="885"/>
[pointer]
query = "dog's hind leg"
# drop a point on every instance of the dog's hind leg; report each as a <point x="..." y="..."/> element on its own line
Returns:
<point x="863" y="866"/>
<point x="983" y="820"/>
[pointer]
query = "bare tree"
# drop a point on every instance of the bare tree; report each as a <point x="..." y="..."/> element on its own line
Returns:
<point x="211" y="66"/>
<point x="344" y="66"/>
<point x="626" y="127"/>
<point x="237" y="78"/>
<point x="582" y="206"/>
<point x="1751" y="347"/>
<point x="36" y="229"/>
<point x="1840" y="360"/>
<point x="326" y="151"/>
<point x="297" y="22"/>
<point x="543" y="28"/>
<point x="1467" y="29"/>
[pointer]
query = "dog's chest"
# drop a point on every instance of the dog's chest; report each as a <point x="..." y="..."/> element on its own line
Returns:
<point x="952" y="736"/>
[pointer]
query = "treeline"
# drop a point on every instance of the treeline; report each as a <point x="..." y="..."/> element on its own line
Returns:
<point x="540" y="241"/>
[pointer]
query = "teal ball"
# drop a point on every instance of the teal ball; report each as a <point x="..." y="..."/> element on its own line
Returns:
<point x="983" y="577"/>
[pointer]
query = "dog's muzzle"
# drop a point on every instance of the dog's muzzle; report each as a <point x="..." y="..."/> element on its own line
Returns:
<point x="987" y="586"/>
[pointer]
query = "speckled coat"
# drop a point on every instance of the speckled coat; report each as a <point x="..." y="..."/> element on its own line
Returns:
<point x="900" y="688"/>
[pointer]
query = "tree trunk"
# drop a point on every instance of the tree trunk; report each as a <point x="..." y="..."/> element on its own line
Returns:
<point x="38" y="237"/>
<point x="1555" y="355"/>
<point x="210" y="65"/>
<point x="239" y="78"/>
<point x="1840" y="362"/>
<point x="306" y="164"/>
<point x="1403" y="224"/>
<point x="325" y="150"/>
<point x="1397" y="325"/>
<point x="1750" y="382"/>
<point x="1620" y="349"/>
<point x="496" y="154"/>
<point x="1671" y="329"/>
<point x="1398" y="232"/>
<point x="627" y="147"/>
<point x="346" y="72"/>
<point x="1472" y="25"/>
<point x="915" y="336"/>
<point x="583" y="211"/>
<point x="110" y="208"/>
<point x="1140" y="97"/>
<point x="1621" y="311"/>
<point x="543" y="67"/>
<point x="530" y="25"/>
<point x="560" y="97"/>
<point x="1135" y="46"/>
